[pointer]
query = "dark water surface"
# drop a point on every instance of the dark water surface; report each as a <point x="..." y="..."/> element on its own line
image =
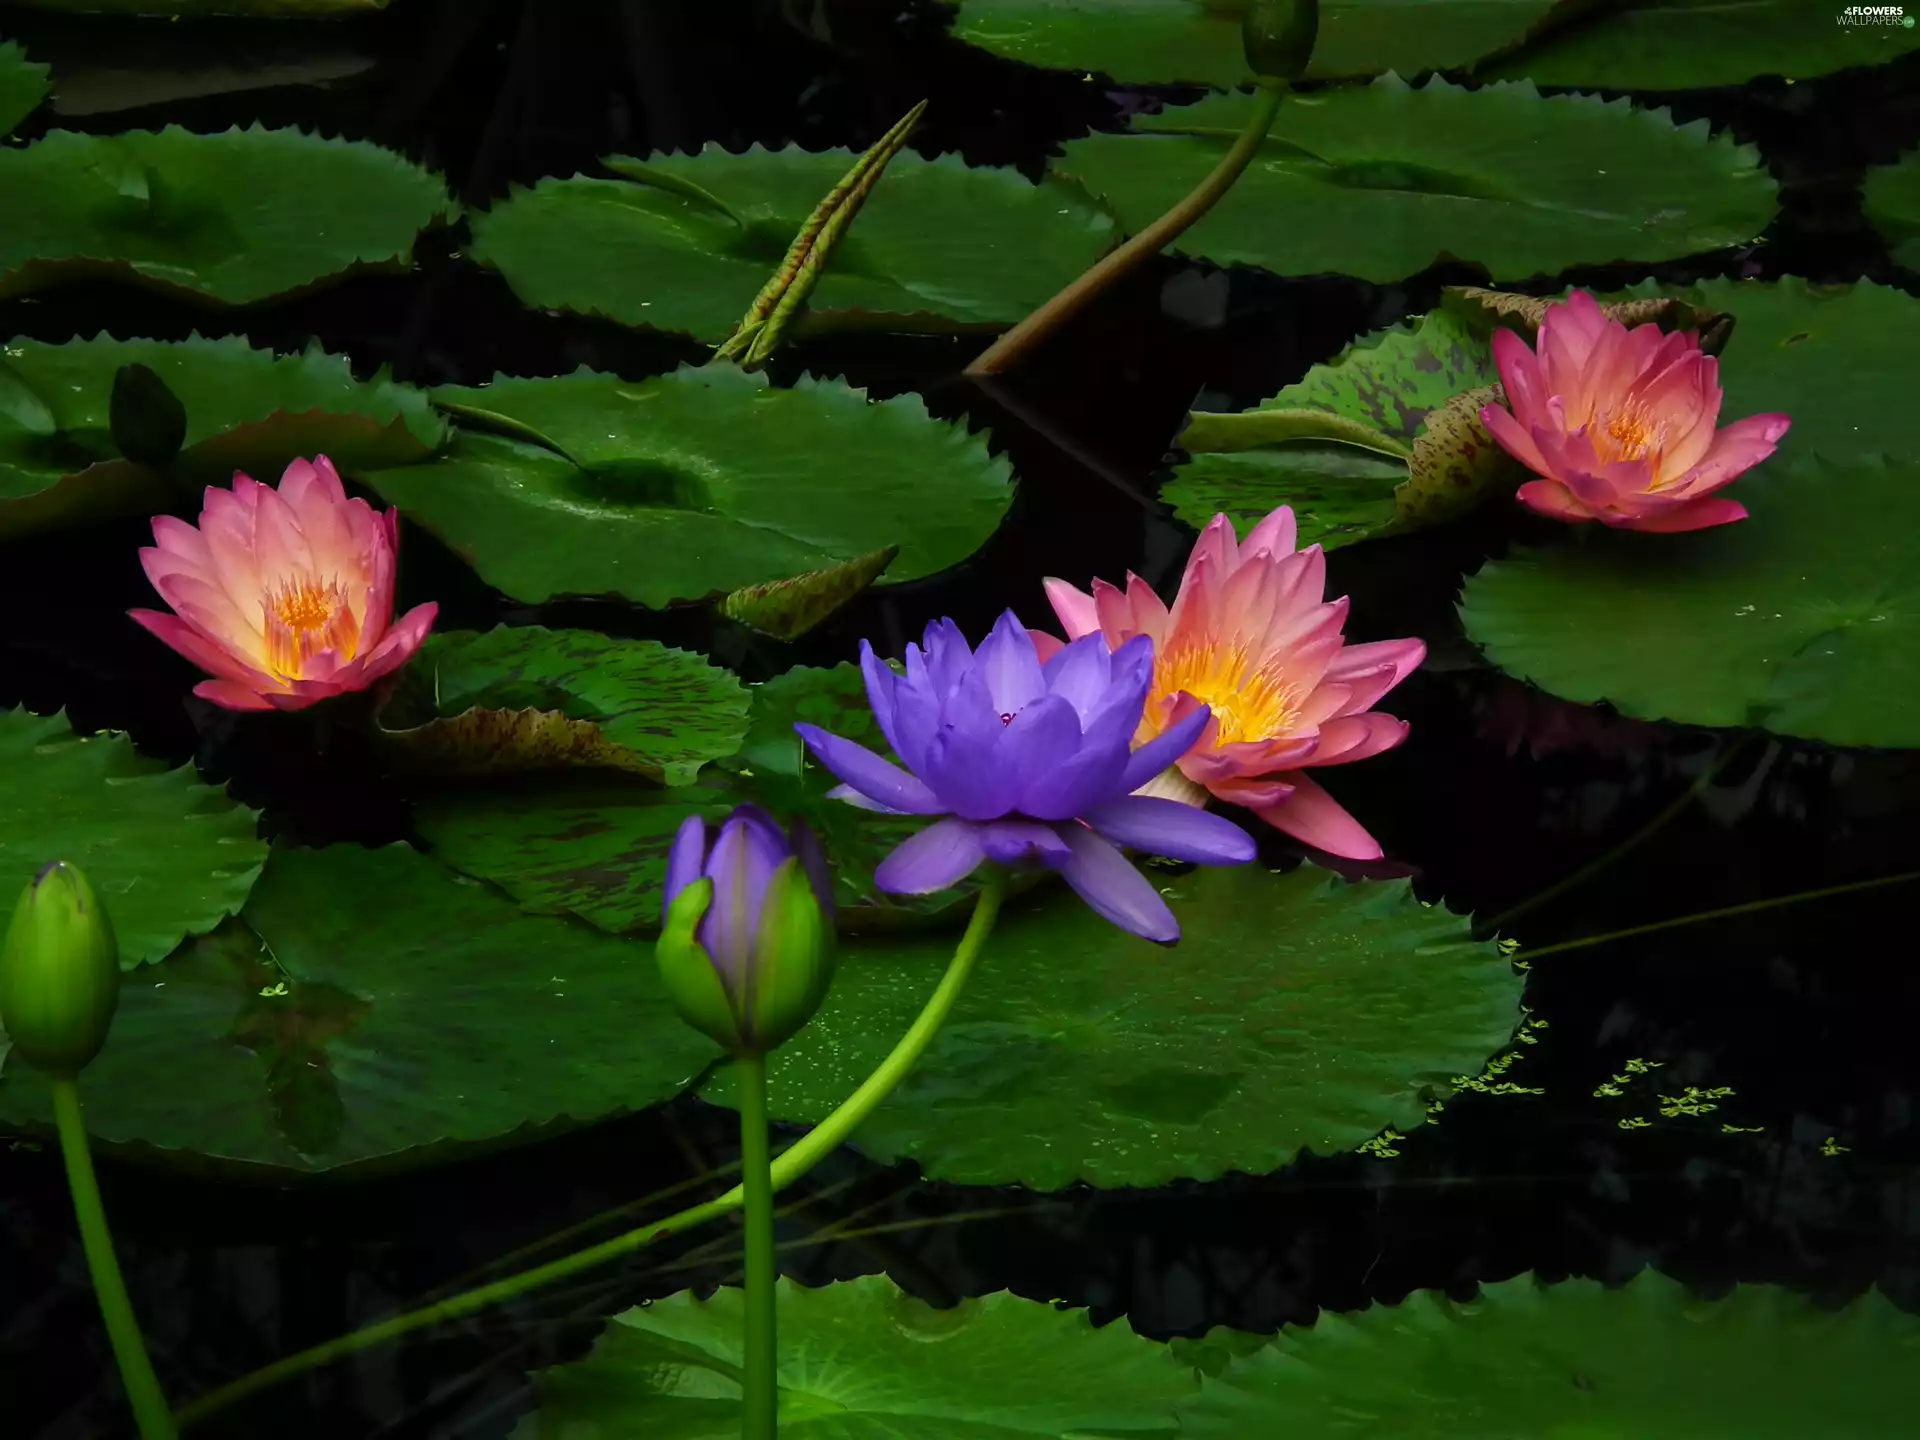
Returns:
<point x="1808" y="1012"/>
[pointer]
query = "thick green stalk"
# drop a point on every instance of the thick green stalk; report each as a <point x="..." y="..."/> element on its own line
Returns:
<point x="760" y="1419"/>
<point x="1011" y="347"/>
<point x="792" y="1163"/>
<point x="150" y="1411"/>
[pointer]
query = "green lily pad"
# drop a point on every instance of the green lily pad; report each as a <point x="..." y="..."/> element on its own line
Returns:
<point x="698" y="235"/>
<point x="1890" y="196"/>
<point x="234" y="218"/>
<point x="168" y="855"/>
<point x="1383" y="181"/>
<point x="861" y="1360"/>
<point x="1296" y="1013"/>
<point x="1198" y="41"/>
<point x="1699" y="44"/>
<point x="599" y="851"/>
<point x="697" y="483"/>
<point x="1577" y="1361"/>
<point x="524" y="697"/>
<point x="246" y="410"/>
<point x="1384" y="386"/>
<point x="1803" y="619"/>
<point x="371" y="1009"/>
<point x="23" y="85"/>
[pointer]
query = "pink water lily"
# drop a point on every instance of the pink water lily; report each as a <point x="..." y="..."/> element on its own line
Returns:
<point x="1620" y="423"/>
<point x="1252" y="636"/>
<point x="284" y="596"/>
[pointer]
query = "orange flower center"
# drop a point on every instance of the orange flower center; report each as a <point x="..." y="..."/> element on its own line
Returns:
<point x="1249" y="701"/>
<point x="1626" y="435"/>
<point x="306" y="617"/>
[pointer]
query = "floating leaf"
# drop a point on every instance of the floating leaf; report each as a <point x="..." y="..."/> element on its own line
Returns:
<point x="373" y="1009"/>
<point x="1456" y="465"/>
<point x="697" y="236"/>
<point x="788" y="609"/>
<point x="146" y="420"/>
<point x="1576" y="1359"/>
<point x="526" y="698"/>
<point x="169" y="856"/>
<point x="1490" y="310"/>
<point x="1198" y="41"/>
<point x="1890" y="197"/>
<point x="246" y="409"/>
<point x="698" y="483"/>
<point x="1297" y="1013"/>
<point x="1384" y="385"/>
<point x="236" y="217"/>
<point x="858" y="1359"/>
<point x="1803" y="619"/>
<point x="23" y="85"/>
<point x="1702" y="44"/>
<point x="1383" y="181"/>
<point x="599" y="851"/>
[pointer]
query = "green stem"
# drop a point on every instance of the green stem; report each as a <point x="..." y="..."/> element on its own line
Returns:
<point x="123" y="1331"/>
<point x="793" y="1162"/>
<point x="1012" y="346"/>
<point x="761" y="1418"/>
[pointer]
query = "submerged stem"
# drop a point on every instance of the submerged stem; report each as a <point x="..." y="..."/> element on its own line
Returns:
<point x="149" y="1404"/>
<point x="1011" y="347"/>
<point x="792" y="1163"/>
<point x="760" y="1352"/>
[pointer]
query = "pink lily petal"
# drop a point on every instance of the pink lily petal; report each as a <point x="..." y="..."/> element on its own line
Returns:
<point x="1311" y="815"/>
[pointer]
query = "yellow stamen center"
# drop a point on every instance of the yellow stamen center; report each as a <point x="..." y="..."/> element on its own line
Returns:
<point x="303" y="617"/>
<point x="1249" y="701"/>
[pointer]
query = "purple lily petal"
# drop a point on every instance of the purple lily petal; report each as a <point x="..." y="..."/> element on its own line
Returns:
<point x="1131" y="678"/>
<point x="684" y="860"/>
<point x="916" y="712"/>
<point x="961" y="767"/>
<point x="1165" y="748"/>
<point x="1019" y="842"/>
<point x="947" y="654"/>
<point x="814" y="862"/>
<point x="747" y="852"/>
<point x="1036" y="743"/>
<point x="1169" y="828"/>
<point x="1007" y="662"/>
<point x="873" y="777"/>
<point x="1113" y="889"/>
<point x="1080" y="674"/>
<point x="881" y="684"/>
<point x="1085" y="778"/>
<point x="943" y="854"/>
<point x="861" y="802"/>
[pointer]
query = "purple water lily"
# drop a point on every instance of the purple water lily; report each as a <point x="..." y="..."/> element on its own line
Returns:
<point x="1030" y="764"/>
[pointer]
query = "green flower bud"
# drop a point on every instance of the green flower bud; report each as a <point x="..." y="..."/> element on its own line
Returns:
<point x="746" y="938"/>
<point x="59" y="973"/>
<point x="1278" y="36"/>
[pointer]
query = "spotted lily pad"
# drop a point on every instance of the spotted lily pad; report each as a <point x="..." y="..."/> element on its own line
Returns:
<point x="599" y="850"/>
<point x="371" y="1009"/>
<point x="23" y="85"/>
<point x="245" y="409"/>
<point x="1377" y="395"/>
<point x="1576" y="1360"/>
<point x="698" y="235"/>
<point x="696" y="483"/>
<point x="1198" y="41"/>
<point x="854" y="1362"/>
<point x="788" y="609"/>
<point x="1383" y="181"/>
<point x="168" y="855"/>
<point x="1296" y="1013"/>
<point x="527" y="698"/>
<point x="234" y="218"/>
